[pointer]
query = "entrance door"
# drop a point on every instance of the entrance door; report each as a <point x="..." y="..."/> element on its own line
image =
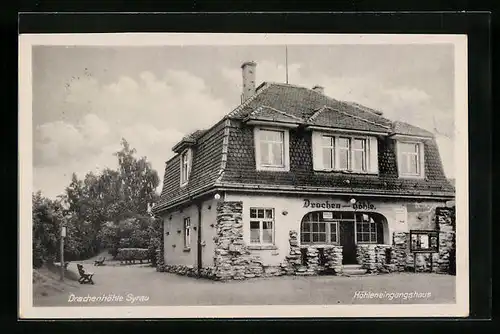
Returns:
<point x="347" y="242"/>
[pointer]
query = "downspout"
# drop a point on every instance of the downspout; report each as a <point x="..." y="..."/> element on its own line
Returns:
<point x="199" y="245"/>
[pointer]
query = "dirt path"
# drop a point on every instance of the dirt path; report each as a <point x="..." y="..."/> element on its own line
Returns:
<point x="141" y="285"/>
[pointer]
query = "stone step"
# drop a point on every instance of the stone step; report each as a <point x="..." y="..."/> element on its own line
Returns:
<point x="353" y="270"/>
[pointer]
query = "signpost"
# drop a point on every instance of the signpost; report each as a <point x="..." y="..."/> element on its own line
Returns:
<point x="63" y="235"/>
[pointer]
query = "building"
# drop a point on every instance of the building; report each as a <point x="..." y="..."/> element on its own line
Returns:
<point x="295" y="182"/>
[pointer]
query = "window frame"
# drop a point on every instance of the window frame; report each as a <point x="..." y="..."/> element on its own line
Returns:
<point x="420" y="159"/>
<point x="336" y="149"/>
<point x="185" y="166"/>
<point x="285" y="135"/>
<point x="187" y="232"/>
<point x="328" y="231"/>
<point x="370" y="232"/>
<point x="261" y="222"/>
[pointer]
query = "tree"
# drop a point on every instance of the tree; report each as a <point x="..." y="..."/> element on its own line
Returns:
<point x="47" y="219"/>
<point x="100" y="210"/>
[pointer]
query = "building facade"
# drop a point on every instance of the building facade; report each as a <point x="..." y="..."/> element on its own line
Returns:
<point x="293" y="182"/>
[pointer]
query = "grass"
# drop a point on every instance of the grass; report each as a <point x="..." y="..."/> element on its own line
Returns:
<point x="46" y="280"/>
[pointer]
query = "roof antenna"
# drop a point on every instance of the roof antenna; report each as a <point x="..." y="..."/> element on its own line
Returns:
<point x="286" y="62"/>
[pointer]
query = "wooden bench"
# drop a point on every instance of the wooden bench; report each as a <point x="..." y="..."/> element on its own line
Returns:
<point x="85" y="277"/>
<point x="99" y="262"/>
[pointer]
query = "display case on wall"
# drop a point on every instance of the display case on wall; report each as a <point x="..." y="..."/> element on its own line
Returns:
<point x="424" y="241"/>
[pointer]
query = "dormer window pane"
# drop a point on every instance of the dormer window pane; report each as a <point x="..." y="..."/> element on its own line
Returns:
<point x="328" y="147"/>
<point x="359" y="155"/>
<point x="409" y="155"/>
<point x="272" y="148"/>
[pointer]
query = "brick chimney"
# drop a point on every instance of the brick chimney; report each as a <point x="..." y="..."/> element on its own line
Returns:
<point x="319" y="89"/>
<point x="248" y="72"/>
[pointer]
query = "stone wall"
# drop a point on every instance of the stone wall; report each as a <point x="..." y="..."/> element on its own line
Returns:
<point x="378" y="258"/>
<point x="401" y="250"/>
<point x="333" y="257"/>
<point x="445" y="221"/>
<point x="160" y="251"/>
<point x="293" y="264"/>
<point x="191" y="271"/>
<point x="293" y="261"/>
<point x="232" y="258"/>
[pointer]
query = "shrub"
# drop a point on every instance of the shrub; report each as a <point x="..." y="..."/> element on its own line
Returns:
<point x="132" y="254"/>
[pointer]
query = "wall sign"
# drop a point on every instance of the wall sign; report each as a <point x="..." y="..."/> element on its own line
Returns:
<point x="361" y="205"/>
<point x="424" y="241"/>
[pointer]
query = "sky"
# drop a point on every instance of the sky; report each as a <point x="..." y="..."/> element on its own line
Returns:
<point x="85" y="99"/>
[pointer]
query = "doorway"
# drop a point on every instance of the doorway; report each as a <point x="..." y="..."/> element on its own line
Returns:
<point x="348" y="242"/>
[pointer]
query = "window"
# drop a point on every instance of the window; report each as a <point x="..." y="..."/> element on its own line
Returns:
<point x="187" y="232"/>
<point x="328" y="147"/>
<point x="185" y="166"/>
<point x="261" y="226"/>
<point x="366" y="229"/>
<point x="410" y="159"/>
<point x="317" y="228"/>
<point x="359" y="154"/>
<point x="345" y="153"/>
<point x="271" y="149"/>
<point x="323" y="227"/>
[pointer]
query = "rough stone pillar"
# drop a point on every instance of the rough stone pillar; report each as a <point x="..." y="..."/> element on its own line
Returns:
<point x="401" y="250"/>
<point x="312" y="261"/>
<point x="445" y="221"/>
<point x="366" y="256"/>
<point x="160" y="251"/>
<point x="229" y="245"/>
<point x="333" y="257"/>
<point x="293" y="260"/>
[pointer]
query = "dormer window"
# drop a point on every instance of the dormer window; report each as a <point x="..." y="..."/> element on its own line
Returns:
<point x="334" y="152"/>
<point x="185" y="161"/>
<point x="410" y="159"/>
<point x="271" y="149"/>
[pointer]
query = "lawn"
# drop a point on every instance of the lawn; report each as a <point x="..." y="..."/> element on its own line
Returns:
<point x="142" y="285"/>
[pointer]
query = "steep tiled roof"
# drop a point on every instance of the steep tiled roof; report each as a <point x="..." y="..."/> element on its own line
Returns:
<point x="206" y="166"/>
<point x="265" y="113"/>
<point x="403" y="128"/>
<point x="224" y="154"/>
<point x="300" y="102"/>
<point x="330" y="117"/>
<point x="241" y="168"/>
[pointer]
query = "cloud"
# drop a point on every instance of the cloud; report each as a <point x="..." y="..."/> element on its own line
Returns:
<point x="151" y="112"/>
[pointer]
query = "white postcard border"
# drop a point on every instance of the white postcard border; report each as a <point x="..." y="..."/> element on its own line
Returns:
<point x="25" y="167"/>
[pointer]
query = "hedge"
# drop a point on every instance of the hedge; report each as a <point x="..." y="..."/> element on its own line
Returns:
<point x="132" y="254"/>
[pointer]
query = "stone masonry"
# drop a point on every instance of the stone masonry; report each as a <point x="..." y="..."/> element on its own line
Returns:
<point x="401" y="251"/>
<point x="232" y="258"/>
<point x="445" y="221"/>
<point x="333" y="257"/>
<point x="160" y="252"/>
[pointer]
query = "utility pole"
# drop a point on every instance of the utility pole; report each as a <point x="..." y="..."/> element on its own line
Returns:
<point x="63" y="234"/>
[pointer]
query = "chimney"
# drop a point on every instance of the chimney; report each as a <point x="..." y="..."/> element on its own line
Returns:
<point x="248" y="72"/>
<point x="319" y="89"/>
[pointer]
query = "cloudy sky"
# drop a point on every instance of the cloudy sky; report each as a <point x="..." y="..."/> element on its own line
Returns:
<point x="86" y="98"/>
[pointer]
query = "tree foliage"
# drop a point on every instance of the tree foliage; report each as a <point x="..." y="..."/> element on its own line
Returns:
<point x="101" y="211"/>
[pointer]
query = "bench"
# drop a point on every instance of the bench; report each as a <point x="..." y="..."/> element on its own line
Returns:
<point x="99" y="262"/>
<point x="85" y="277"/>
